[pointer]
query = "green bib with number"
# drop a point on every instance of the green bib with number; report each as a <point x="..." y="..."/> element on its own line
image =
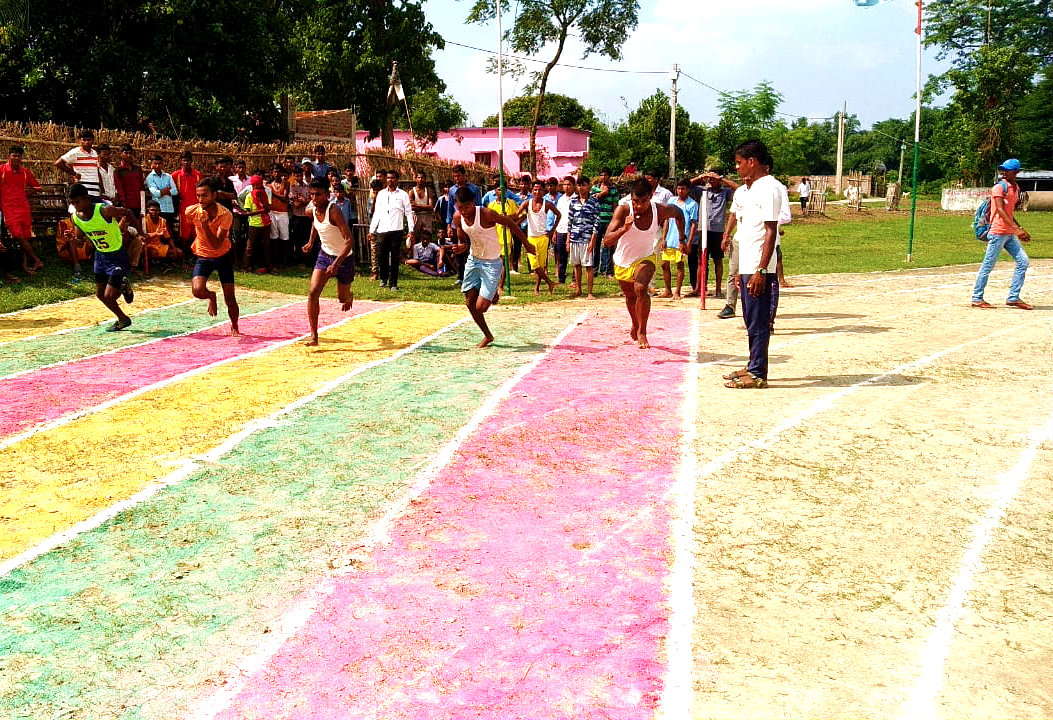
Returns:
<point x="104" y="234"/>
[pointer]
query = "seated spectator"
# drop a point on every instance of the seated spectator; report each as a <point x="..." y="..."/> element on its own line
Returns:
<point x="157" y="239"/>
<point x="72" y="247"/>
<point x="427" y="256"/>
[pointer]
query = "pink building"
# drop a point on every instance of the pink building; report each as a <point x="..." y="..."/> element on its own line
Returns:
<point x="561" y="151"/>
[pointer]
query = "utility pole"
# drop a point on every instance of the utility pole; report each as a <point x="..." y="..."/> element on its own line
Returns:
<point x="840" y="145"/>
<point x="902" y="149"/>
<point x="672" y="122"/>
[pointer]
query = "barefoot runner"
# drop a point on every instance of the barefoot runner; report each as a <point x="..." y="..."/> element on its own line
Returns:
<point x="100" y="224"/>
<point x="484" y="268"/>
<point x="536" y="208"/>
<point x="214" y="251"/>
<point x="334" y="256"/>
<point x="632" y="234"/>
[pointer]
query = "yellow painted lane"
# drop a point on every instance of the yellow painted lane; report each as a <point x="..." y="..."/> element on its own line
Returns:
<point x="52" y="318"/>
<point x="57" y="478"/>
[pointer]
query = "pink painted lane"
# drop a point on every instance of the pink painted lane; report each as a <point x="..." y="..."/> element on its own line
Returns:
<point x="528" y="580"/>
<point x="53" y="392"/>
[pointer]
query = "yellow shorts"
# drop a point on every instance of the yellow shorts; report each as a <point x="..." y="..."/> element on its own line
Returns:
<point x="157" y="250"/>
<point x="628" y="274"/>
<point x="538" y="258"/>
<point x="672" y="255"/>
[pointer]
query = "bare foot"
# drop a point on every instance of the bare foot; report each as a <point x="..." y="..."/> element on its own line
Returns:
<point x="641" y="341"/>
<point x="676" y="296"/>
<point x="633" y="331"/>
<point x="485" y="341"/>
<point x="312" y="342"/>
<point x="234" y="332"/>
<point x="212" y="307"/>
<point x="551" y="287"/>
<point x="665" y="295"/>
<point x="537" y="291"/>
<point x="346" y="306"/>
<point x="785" y="283"/>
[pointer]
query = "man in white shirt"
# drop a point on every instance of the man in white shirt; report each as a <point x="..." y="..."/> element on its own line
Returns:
<point x="563" y="228"/>
<point x="107" y="179"/>
<point x="804" y="189"/>
<point x="755" y="210"/>
<point x="392" y="214"/>
<point x="82" y="163"/>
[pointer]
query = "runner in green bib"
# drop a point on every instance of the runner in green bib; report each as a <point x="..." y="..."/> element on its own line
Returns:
<point x="100" y="224"/>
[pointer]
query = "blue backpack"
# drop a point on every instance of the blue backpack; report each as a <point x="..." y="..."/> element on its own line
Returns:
<point x="982" y="216"/>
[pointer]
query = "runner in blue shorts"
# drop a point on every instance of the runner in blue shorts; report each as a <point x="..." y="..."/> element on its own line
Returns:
<point x="484" y="268"/>
<point x="334" y="257"/>
<point x="100" y="224"/>
<point x="215" y="252"/>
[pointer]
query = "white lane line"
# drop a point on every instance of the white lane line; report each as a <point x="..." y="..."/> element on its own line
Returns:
<point x="146" y="342"/>
<point x="65" y="419"/>
<point x="677" y="695"/>
<point x="922" y="702"/>
<point x="64" y="331"/>
<point x="294" y="620"/>
<point x="189" y="465"/>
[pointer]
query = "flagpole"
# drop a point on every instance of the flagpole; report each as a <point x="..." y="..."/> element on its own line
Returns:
<point x="917" y="139"/>
<point x="501" y="146"/>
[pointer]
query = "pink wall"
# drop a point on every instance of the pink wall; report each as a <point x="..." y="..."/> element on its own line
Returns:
<point x="563" y="149"/>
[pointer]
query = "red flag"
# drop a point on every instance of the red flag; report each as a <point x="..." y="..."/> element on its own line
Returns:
<point x="918" y="29"/>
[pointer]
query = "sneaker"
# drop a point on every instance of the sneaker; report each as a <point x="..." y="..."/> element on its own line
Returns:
<point x="76" y="279"/>
<point x="119" y="325"/>
<point x="727" y="312"/>
<point x="384" y="284"/>
<point x="394" y="287"/>
<point x="127" y="294"/>
<point x="1019" y="304"/>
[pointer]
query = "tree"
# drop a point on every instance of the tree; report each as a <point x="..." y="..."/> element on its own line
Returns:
<point x="432" y="113"/>
<point x="1034" y="124"/>
<point x="960" y="27"/>
<point x="557" y="109"/>
<point x="349" y="46"/>
<point x="600" y="25"/>
<point x="744" y="115"/>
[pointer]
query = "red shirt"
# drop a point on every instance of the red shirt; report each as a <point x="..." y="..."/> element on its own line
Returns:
<point x="129" y="183"/>
<point x="186" y="184"/>
<point x="13" y="185"/>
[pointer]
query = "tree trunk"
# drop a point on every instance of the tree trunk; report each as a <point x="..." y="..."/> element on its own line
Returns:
<point x="541" y="100"/>
<point x="387" y="131"/>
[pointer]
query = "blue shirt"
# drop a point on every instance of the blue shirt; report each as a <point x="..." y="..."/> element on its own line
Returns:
<point x="345" y="208"/>
<point x="321" y="170"/>
<point x="155" y="184"/>
<point x="451" y="206"/>
<point x="690" y="210"/>
<point x="550" y="217"/>
<point x="491" y="196"/>
<point x="584" y="217"/>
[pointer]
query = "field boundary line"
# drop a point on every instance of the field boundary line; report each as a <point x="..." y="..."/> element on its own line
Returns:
<point x="146" y="342"/>
<point x="66" y="419"/>
<point x="295" y="619"/>
<point x="870" y="281"/>
<point x="193" y="463"/>
<point x="922" y="702"/>
<point x="677" y="695"/>
<point x="66" y="331"/>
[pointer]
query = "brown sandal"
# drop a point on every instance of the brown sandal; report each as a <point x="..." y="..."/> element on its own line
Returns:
<point x="746" y="382"/>
<point x="736" y="374"/>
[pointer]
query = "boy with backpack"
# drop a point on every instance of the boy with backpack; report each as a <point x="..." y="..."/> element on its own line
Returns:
<point x="995" y="222"/>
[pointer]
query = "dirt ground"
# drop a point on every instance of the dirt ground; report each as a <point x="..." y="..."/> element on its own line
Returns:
<point x="826" y="553"/>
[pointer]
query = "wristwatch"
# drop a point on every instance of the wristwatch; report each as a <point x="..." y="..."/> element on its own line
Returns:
<point x="762" y="271"/>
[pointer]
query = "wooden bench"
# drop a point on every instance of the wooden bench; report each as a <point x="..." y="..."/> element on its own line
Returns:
<point x="48" y="206"/>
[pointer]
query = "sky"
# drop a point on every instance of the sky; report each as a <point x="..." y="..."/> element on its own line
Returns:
<point x="819" y="54"/>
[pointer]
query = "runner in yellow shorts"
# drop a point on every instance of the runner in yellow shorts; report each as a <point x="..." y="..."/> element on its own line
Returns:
<point x="632" y="235"/>
<point x="537" y="207"/>
<point x="676" y="248"/>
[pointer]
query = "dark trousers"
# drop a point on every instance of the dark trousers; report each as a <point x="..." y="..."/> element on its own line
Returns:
<point x="389" y="255"/>
<point x="692" y="265"/>
<point x="756" y="311"/>
<point x="599" y="252"/>
<point x="562" y="255"/>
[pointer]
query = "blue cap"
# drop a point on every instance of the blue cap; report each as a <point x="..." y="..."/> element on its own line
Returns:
<point x="1010" y="165"/>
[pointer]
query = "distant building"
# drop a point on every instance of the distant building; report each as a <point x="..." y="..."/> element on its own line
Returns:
<point x="561" y="151"/>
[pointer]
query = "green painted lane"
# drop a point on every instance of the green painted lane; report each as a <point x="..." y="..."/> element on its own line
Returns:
<point x="137" y="618"/>
<point x="151" y="325"/>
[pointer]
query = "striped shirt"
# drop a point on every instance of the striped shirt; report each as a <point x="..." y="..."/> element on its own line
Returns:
<point x="85" y="164"/>
<point x="584" y="217"/>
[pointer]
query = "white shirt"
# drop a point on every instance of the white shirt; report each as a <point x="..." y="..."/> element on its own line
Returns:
<point x="753" y="206"/>
<point x="563" y="205"/>
<point x="661" y="195"/>
<point x="107" y="181"/>
<point x="391" y="211"/>
<point x="85" y="164"/>
<point x="636" y="244"/>
<point x="804" y="190"/>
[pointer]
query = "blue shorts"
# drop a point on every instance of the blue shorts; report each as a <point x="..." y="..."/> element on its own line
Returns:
<point x="483" y="274"/>
<point x="204" y="267"/>
<point x="111" y="267"/>
<point x="345" y="275"/>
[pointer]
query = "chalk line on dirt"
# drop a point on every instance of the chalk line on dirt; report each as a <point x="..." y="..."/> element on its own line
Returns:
<point x="192" y="464"/>
<point x="66" y="419"/>
<point x="298" y="616"/>
<point x="921" y="704"/>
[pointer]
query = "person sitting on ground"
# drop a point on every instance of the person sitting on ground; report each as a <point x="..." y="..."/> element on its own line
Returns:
<point x="427" y="256"/>
<point x="72" y="247"/>
<point x="157" y="239"/>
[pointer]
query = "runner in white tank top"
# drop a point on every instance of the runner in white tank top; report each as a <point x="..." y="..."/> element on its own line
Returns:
<point x="484" y="269"/>
<point x="334" y="256"/>
<point x="537" y="231"/>
<point x="635" y="249"/>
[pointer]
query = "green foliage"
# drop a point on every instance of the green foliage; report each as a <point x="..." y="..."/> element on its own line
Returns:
<point x="557" y="109"/>
<point x="961" y="27"/>
<point x="349" y="46"/>
<point x="1034" y="124"/>
<point x="431" y="113"/>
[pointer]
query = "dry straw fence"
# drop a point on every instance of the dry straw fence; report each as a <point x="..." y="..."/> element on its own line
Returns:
<point x="46" y="142"/>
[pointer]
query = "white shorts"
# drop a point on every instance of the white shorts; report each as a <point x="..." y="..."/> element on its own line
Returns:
<point x="279" y="226"/>
<point x="578" y="256"/>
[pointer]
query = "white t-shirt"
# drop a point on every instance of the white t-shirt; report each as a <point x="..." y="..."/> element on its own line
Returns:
<point x="753" y="206"/>
<point x="563" y="205"/>
<point x="85" y="164"/>
<point x="804" y="190"/>
<point x="107" y="181"/>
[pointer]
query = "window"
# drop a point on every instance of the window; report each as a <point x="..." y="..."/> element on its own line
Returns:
<point x="484" y="158"/>
<point x="524" y="161"/>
